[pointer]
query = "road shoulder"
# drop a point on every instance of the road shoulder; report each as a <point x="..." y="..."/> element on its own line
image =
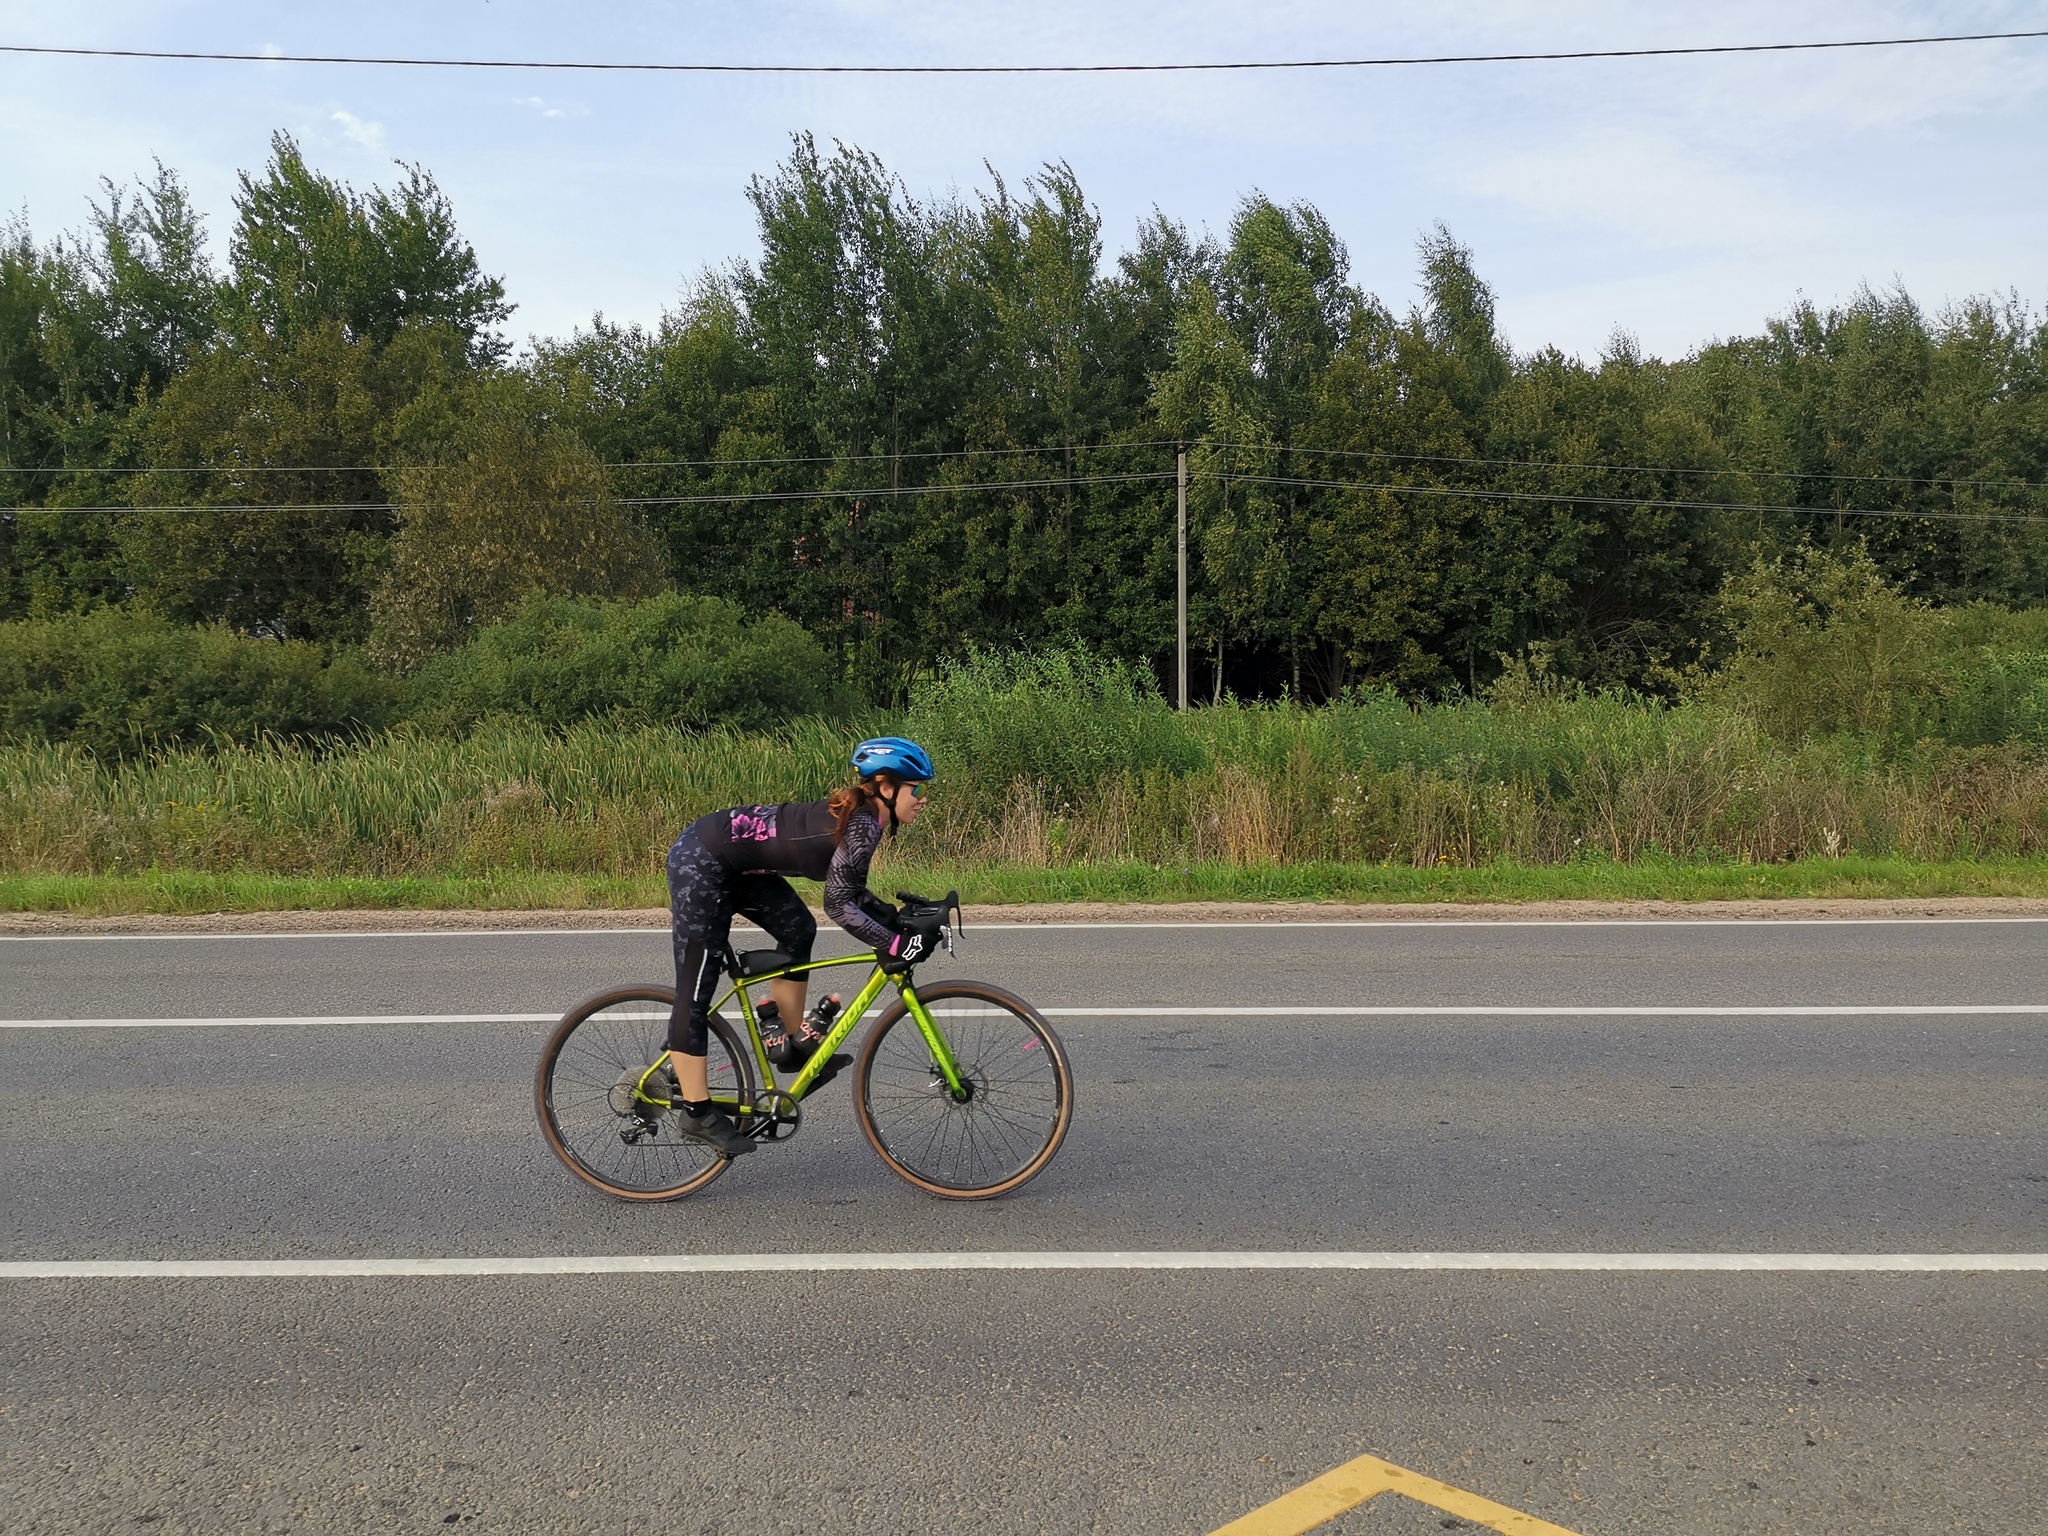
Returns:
<point x="454" y="920"/>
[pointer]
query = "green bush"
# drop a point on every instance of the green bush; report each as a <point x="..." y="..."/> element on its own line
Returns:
<point x="1061" y="720"/>
<point x="1990" y="696"/>
<point x="1825" y="646"/>
<point x="121" y="681"/>
<point x="672" y="660"/>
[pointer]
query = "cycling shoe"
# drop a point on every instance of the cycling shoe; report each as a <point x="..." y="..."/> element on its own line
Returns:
<point x="714" y="1129"/>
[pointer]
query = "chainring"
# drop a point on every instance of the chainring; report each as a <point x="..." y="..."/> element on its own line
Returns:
<point x="777" y="1116"/>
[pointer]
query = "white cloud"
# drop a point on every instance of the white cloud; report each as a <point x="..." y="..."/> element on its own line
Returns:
<point x="369" y="135"/>
<point x="550" y="109"/>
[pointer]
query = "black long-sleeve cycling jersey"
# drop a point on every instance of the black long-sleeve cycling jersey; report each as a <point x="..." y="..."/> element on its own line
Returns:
<point x="797" y="839"/>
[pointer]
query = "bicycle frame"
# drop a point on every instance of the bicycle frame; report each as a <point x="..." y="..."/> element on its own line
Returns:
<point x="849" y="1017"/>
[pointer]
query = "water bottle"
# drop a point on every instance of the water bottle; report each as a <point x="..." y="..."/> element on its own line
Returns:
<point x="773" y="1035"/>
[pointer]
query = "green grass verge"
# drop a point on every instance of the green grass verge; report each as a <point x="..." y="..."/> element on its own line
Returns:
<point x="1649" y="880"/>
<point x="165" y="891"/>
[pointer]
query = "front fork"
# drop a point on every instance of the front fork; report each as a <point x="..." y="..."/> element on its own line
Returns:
<point x="942" y="1053"/>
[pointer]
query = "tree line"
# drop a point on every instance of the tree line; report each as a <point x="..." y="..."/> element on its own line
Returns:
<point x="918" y="426"/>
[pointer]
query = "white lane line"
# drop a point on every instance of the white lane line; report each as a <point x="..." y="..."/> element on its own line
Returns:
<point x="303" y="1022"/>
<point x="1514" y="922"/>
<point x="1165" y="1011"/>
<point x="783" y="1263"/>
<point x="1544" y="1011"/>
<point x="394" y="933"/>
<point x="973" y="928"/>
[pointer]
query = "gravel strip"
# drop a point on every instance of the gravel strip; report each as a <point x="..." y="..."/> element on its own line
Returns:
<point x="381" y="921"/>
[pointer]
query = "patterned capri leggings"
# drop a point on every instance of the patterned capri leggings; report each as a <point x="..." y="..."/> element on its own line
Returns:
<point x="703" y="896"/>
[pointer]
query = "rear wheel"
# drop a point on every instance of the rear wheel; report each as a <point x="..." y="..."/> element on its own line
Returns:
<point x="586" y="1074"/>
<point x="1020" y="1101"/>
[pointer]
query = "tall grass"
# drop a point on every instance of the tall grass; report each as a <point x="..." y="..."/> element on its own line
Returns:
<point x="1053" y="761"/>
<point x="590" y="799"/>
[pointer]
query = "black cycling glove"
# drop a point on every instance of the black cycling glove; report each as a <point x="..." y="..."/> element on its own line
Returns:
<point x="904" y="951"/>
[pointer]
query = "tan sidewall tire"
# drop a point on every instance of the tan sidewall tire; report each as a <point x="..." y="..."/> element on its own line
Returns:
<point x="981" y="991"/>
<point x="542" y="1108"/>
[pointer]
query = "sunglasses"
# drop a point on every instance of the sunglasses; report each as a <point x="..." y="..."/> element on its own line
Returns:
<point x="916" y="789"/>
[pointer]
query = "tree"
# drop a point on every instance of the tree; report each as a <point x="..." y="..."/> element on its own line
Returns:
<point x="90" y="331"/>
<point x="155" y="298"/>
<point x="1283" y="288"/>
<point x="43" y="335"/>
<point x="283" y="527"/>
<point x="1248" y="354"/>
<point x="915" y="425"/>
<point x="309" y="251"/>
<point x="512" y="508"/>
<point x="266" y="509"/>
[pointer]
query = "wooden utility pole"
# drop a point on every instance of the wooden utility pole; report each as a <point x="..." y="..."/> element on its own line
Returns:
<point x="1183" y="605"/>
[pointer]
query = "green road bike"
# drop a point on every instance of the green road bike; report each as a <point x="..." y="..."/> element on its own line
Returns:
<point x="961" y="1088"/>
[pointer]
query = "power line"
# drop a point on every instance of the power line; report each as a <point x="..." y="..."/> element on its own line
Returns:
<point x="1626" y="501"/>
<point x="1219" y="66"/>
<point x="1059" y="482"/>
<point x="870" y="458"/>
<point x="1048" y="450"/>
<point x="390" y="469"/>
<point x="1645" y="469"/>
<point x="881" y="492"/>
<point x="197" y="469"/>
<point x="224" y="506"/>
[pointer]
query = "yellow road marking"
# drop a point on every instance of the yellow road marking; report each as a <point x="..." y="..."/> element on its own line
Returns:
<point x="1366" y="1478"/>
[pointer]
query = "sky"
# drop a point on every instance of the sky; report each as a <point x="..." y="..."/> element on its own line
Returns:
<point x="1678" y="200"/>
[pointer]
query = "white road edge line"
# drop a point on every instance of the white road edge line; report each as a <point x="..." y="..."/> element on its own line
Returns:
<point x="785" y="1263"/>
<point x="1166" y="1011"/>
<point x="973" y="928"/>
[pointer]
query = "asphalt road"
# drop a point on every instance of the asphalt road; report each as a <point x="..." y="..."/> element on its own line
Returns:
<point x="1063" y="1401"/>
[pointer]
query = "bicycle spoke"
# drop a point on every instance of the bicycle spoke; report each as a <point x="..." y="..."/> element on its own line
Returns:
<point x="1010" y="1120"/>
<point x="1000" y="1125"/>
<point x="589" y="1060"/>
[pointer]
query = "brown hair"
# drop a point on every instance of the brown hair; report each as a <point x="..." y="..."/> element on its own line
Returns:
<point x="848" y="798"/>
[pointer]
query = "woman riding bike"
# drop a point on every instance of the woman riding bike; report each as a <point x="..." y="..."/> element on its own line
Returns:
<point x="735" y="861"/>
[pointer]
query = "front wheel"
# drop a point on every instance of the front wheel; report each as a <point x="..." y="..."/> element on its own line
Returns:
<point x="1012" y="1122"/>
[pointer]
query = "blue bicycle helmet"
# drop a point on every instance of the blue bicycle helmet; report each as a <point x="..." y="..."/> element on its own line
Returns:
<point x="892" y="754"/>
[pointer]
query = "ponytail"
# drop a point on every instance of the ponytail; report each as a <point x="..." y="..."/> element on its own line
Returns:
<point x="849" y="798"/>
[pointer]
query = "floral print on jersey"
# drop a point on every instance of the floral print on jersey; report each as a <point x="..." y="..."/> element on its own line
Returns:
<point x="753" y="824"/>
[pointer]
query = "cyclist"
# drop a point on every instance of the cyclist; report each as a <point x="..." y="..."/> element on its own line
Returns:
<point x="735" y="861"/>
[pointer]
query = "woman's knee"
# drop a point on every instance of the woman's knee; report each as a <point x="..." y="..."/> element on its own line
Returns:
<point x="792" y="927"/>
<point x="799" y="933"/>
